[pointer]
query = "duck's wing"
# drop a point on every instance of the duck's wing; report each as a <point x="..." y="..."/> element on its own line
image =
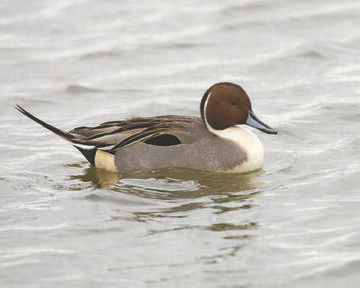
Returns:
<point x="160" y="131"/>
<point x="114" y="135"/>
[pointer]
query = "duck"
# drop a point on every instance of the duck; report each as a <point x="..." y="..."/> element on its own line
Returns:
<point x="216" y="141"/>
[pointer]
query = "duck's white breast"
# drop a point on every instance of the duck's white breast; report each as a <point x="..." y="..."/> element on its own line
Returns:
<point x="249" y="143"/>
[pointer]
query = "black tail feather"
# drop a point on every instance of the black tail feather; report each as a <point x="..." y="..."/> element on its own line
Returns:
<point x="53" y="129"/>
<point x="88" y="153"/>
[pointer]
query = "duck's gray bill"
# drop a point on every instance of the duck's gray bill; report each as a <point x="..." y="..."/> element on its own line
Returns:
<point x="255" y="122"/>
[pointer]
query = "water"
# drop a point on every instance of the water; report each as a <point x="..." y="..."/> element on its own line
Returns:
<point x="296" y="223"/>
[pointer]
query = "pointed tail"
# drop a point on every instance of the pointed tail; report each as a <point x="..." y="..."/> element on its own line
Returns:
<point x="89" y="151"/>
<point x="53" y="129"/>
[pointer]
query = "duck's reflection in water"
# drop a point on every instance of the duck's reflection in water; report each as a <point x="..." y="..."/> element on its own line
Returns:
<point x="183" y="191"/>
<point x="171" y="183"/>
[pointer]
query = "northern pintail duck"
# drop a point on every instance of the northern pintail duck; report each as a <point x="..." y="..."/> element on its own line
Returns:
<point x="218" y="141"/>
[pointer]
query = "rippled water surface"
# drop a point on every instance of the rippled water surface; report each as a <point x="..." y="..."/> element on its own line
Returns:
<point x="296" y="223"/>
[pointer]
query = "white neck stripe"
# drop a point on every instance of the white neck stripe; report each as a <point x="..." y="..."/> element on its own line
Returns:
<point x="205" y="120"/>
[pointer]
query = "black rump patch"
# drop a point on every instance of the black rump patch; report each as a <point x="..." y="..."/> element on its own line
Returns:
<point x="163" y="140"/>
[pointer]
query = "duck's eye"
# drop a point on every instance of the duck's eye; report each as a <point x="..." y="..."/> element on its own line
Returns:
<point x="233" y="103"/>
